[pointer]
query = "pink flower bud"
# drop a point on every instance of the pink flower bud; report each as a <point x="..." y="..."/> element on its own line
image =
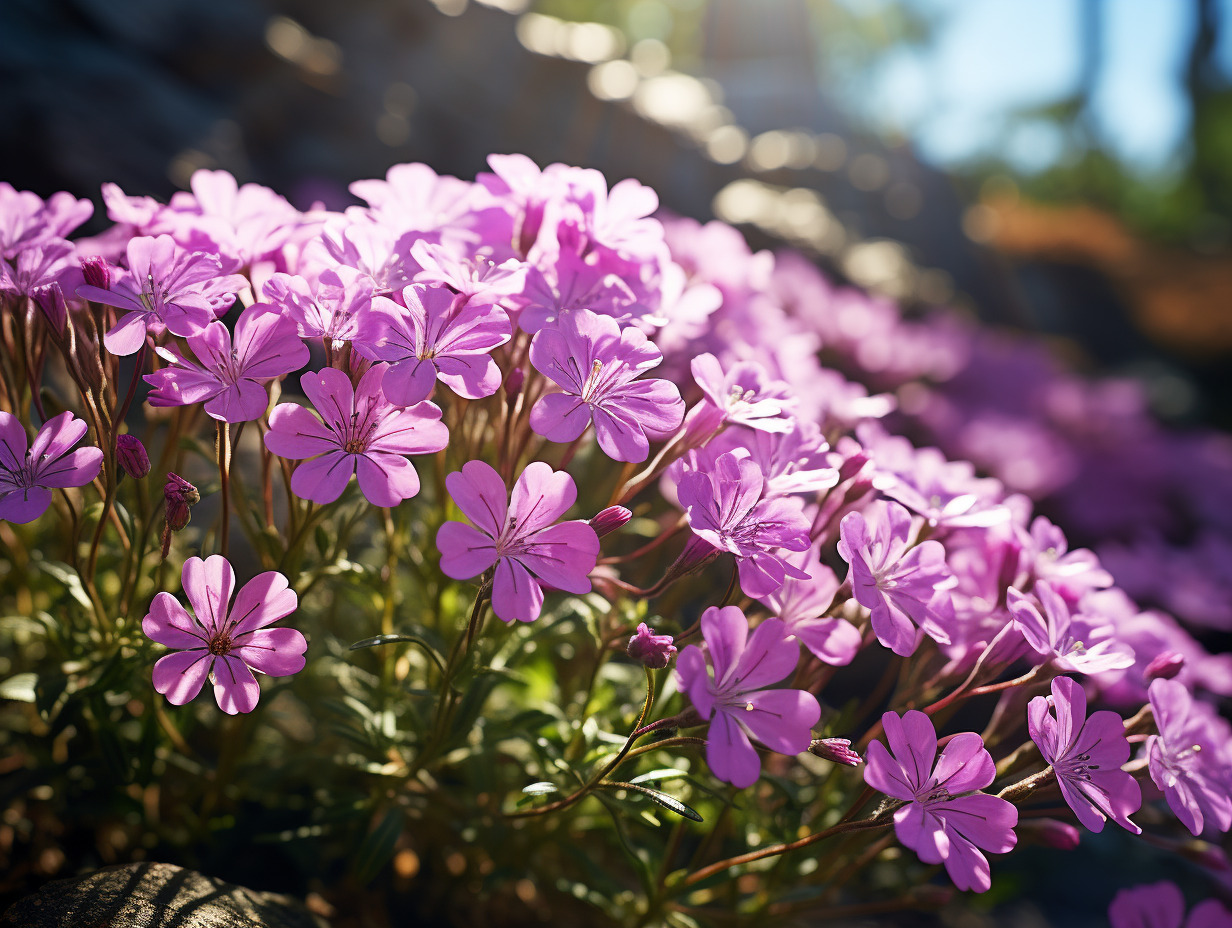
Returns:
<point x="513" y="383"/>
<point x="653" y="651"/>
<point x="837" y="750"/>
<point x="50" y="300"/>
<point x="1165" y="666"/>
<point x="1051" y="833"/>
<point x="97" y="272"/>
<point x="130" y="453"/>
<point x="852" y="466"/>
<point x="608" y="520"/>
<point x="179" y="492"/>
<point x="697" y="552"/>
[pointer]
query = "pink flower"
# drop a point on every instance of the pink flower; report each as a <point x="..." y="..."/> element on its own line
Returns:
<point x="732" y="693"/>
<point x="478" y="278"/>
<point x="654" y="651"/>
<point x="1161" y="905"/>
<point x="362" y="433"/>
<point x="903" y="586"/>
<point x="337" y="307"/>
<point x="224" y="642"/>
<point x="1188" y="758"/>
<point x="518" y="536"/>
<point x="39" y="265"/>
<point x="165" y="285"/>
<point x="802" y="605"/>
<point x="1086" y="755"/>
<point x="1074" y="643"/>
<point x="945" y="820"/>
<point x="241" y="224"/>
<point x="437" y="335"/>
<point x="568" y="284"/>
<point x="229" y="377"/>
<point x="596" y="365"/>
<point x="26" y="220"/>
<point x="742" y="395"/>
<point x="28" y="475"/>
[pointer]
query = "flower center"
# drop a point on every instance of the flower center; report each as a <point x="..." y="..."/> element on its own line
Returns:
<point x="1077" y="766"/>
<point x="354" y="446"/>
<point x="220" y="645"/>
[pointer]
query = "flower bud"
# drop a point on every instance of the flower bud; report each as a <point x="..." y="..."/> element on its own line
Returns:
<point x="852" y="466"/>
<point x="837" y="750"/>
<point x="177" y="489"/>
<point x="50" y="300"/>
<point x="513" y="383"/>
<point x="696" y="552"/>
<point x="130" y="453"/>
<point x="608" y="520"/>
<point x="1165" y="666"/>
<point x="179" y="495"/>
<point x="651" y="650"/>
<point x="1051" y="833"/>
<point x="97" y="272"/>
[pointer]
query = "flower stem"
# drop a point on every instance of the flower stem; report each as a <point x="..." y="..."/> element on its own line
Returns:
<point x="224" y="475"/>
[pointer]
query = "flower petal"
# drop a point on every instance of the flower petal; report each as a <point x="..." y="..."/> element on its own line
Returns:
<point x="169" y="624"/>
<point x="515" y="594"/>
<point x="262" y="601"/>
<point x="235" y="688"/>
<point x="208" y="585"/>
<point x="278" y="652"/>
<point x="465" y="551"/>
<point x="323" y="479"/>
<point x="180" y="675"/>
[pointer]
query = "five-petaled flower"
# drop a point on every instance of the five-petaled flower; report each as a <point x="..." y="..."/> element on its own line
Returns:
<point x="224" y="642"/>
<point x="29" y="474"/>
<point x="1073" y="642"/>
<point x="517" y="533"/>
<point x="1187" y="759"/>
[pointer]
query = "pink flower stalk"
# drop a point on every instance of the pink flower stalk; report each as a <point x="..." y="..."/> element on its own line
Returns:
<point x="743" y="395"/>
<point x="1188" y="758"/>
<point x="517" y="534"/>
<point x="802" y="606"/>
<point x="596" y="365"/>
<point x="1161" y="905"/>
<point x="221" y="642"/>
<point x="903" y="586"/>
<point x="165" y="286"/>
<point x="362" y="434"/>
<point x="726" y="510"/>
<point x="229" y="376"/>
<point x="437" y="336"/>
<point x="29" y="474"/>
<point x="946" y="820"/>
<point x="654" y="651"/>
<point x="336" y="307"/>
<point x="727" y="684"/>
<point x="1074" y="643"/>
<point x="1086" y="754"/>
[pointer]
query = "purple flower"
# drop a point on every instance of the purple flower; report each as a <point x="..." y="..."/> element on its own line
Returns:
<point x="903" y="586"/>
<point x="26" y="220"/>
<point x="608" y="520"/>
<point x="40" y="265"/>
<point x="518" y="536"/>
<point x="28" y="475"/>
<point x="241" y="224"/>
<point x="654" y="651"/>
<point x="335" y="308"/>
<point x="731" y="693"/>
<point x="802" y="605"/>
<point x="793" y="462"/>
<point x="1161" y="905"/>
<point x="597" y="366"/>
<point x="438" y="336"/>
<point x="1186" y="761"/>
<point x="1070" y="573"/>
<point x="571" y="283"/>
<point x="836" y="750"/>
<point x="1074" y="643"/>
<point x="229" y="377"/>
<point x="726" y="510"/>
<point x="1086" y="754"/>
<point x="478" y="278"/>
<point x="945" y="820"/>
<point x="165" y="285"/>
<point x="363" y="434"/>
<point x="744" y="395"/>
<point x="224" y="642"/>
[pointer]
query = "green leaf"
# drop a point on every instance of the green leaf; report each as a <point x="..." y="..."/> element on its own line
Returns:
<point x="423" y="643"/>
<point x="664" y="773"/>
<point x="670" y="803"/>
<point x="68" y="579"/>
<point x="377" y="848"/>
<point x="540" y="789"/>
<point x="19" y="687"/>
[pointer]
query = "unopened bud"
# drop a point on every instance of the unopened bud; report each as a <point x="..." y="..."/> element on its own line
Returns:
<point x="859" y="488"/>
<point x="1165" y="666"/>
<point x="697" y="552"/>
<point x="1050" y="833"/>
<point x="651" y="650"/>
<point x="179" y="496"/>
<point x="610" y="519"/>
<point x="178" y="489"/>
<point x="97" y="272"/>
<point x="50" y="300"/>
<point x="837" y="750"/>
<point x="513" y="383"/>
<point x="852" y="466"/>
<point x="130" y="453"/>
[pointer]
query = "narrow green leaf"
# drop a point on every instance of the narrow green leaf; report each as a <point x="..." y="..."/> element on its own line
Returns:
<point x="19" y="687"/>
<point x="664" y="773"/>
<point x="670" y="803"/>
<point x="377" y="848"/>
<point x="423" y="643"/>
<point x="540" y="789"/>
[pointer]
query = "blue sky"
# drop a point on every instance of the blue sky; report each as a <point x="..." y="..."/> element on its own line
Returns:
<point x="990" y="57"/>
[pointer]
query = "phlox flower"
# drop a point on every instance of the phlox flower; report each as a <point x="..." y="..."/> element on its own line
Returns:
<point x="1188" y="758"/>
<point x="1086" y="754"/>
<point x="437" y="335"/>
<point x="229" y="374"/>
<point x="51" y="261"/>
<point x="945" y="820"/>
<point x="221" y="641"/>
<point x="517" y="533"/>
<point x="25" y="219"/>
<point x="478" y="277"/>
<point x="164" y="286"/>
<point x="569" y="283"/>
<point x="336" y="307"/>
<point x="29" y="474"/>
<point x="727" y="684"/>
<point x="744" y="394"/>
<point x="903" y="586"/>
<point x="802" y="605"/>
<point x="362" y="434"/>
<point x="358" y="242"/>
<point x="596" y="365"/>
<point x="1073" y="642"/>
<point x="242" y="224"/>
<point x="1161" y="905"/>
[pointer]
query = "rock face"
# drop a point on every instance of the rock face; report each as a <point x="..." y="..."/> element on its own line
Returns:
<point x="149" y="895"/>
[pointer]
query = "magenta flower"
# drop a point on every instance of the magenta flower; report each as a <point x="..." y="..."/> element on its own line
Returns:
<point x="478" y="278"/>
<point x="164" y="286"/>
<point x="518" y="536"/>
<point x="726" y="510"/>
<point x="732" y="693"/>
<point x="568" y="284"/>
<point x="337" y="307"/>
<point x="223" y="642"/>
<point x="1074" y="643"/>
<point x="243" y="224"/>
<point x="362" y="434"/>
<point x="1086" y="754"/>
<point x="28" y="475"/>
<point x="946" y="821"/>
<point x="438" y="336"/>
<point x="40" y="265"/>
<point x="743" y="395"/>
<point x="597" y="366"/>
<point x="1161" y="905"/>
<point x="1187" y="759"/>
<point x="904" y="587"/>
<point x="26" y="220"/>
<point x="802" y="606"/>
<point x="229" y="376"/>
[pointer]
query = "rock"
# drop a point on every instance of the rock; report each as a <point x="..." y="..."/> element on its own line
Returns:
<point x="150" y="895"/>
